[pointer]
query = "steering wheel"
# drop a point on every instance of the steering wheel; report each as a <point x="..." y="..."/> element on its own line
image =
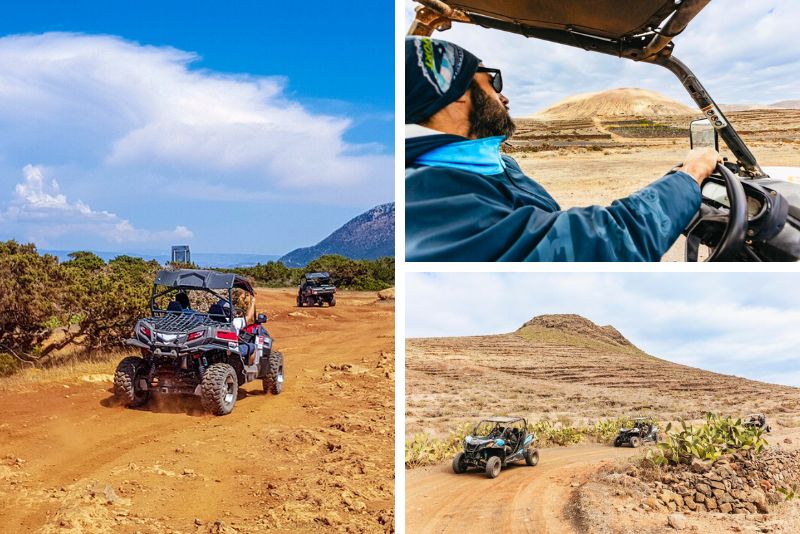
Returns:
<point x="734" y="222"/>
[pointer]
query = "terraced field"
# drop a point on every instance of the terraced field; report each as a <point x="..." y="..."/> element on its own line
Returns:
<point x="755" y="126"/>
<point x="565" y="367"/>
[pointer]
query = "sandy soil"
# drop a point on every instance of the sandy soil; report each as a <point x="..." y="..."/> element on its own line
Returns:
<point x="561" y="495"/>
<point x="520" y="499"/>
<point x="317" y="457"/>
<point x="586" y="162"/>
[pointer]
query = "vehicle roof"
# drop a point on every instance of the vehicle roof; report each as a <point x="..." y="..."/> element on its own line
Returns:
<point x="202" y="279"/>
<point x="612" y="28"/>
<point x="603" y="18"/>
<point x="502" y="419"/>
<point x="313" y="276"/>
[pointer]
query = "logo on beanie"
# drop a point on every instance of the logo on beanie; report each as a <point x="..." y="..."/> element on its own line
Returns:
<point x="439" y="61"/>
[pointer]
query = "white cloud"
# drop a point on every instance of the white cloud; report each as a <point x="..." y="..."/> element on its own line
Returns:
<point x="122" y="111"/>
<point x="45" y="213"/>
<point x="735" y="323"/>
<point x="742" y="52"/>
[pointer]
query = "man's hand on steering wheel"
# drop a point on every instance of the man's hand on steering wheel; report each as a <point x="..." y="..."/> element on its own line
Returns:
<point x="699" y="163"/>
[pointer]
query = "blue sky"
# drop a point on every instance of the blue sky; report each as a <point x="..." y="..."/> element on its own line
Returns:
<point x="234" y="127"/>
<point x="735" y="323"/>
<point x="743" y="52"/>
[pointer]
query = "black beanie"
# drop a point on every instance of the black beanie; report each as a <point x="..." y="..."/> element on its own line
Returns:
<point x="437" y="73"/>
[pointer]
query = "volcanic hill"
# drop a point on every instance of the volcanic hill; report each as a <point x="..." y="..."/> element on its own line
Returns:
<point x="614" y="103"/>
<point x="566" y="367"/>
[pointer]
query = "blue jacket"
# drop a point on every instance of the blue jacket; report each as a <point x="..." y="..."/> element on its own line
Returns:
<point x="465" y="201"/>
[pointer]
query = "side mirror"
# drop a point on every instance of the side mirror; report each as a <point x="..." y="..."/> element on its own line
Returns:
<point x="702" y="134"/>
<point x="261" y="318"/>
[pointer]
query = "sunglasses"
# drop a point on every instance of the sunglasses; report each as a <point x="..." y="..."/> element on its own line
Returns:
<point x="495" y="76"/>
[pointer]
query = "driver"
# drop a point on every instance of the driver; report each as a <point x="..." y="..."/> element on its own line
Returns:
<point x="183" y="299"/>
<point x="466" y="201"/>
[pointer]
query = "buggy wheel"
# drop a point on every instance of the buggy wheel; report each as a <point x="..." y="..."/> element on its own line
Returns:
<point x="617" y="442"/>
<point x="273" y="382"/>
<point x="531" y="456"/>
<point x="299" y="302"/>
<point x="459" y="465"/>
<point x="127" y="378"/>
<point x="493" y="466"/>
<point x="636" y="442"/>
<point x="219" y="388"/>
<point x="332" y="303"/>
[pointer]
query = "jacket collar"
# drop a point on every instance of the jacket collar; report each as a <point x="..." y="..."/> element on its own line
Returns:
<point x="481" y="156"/>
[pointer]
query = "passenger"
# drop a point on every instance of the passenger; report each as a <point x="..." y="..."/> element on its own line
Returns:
<point x="247" y="340"/>
<point x="183" y="299"/>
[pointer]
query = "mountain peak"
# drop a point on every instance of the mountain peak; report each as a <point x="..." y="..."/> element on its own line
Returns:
<point x="574" y="324"/>
<point x="365" y="237"/>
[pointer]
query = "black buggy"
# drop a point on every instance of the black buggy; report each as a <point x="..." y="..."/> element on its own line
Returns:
<point x="316" y="290"/>
<point x="757" y="420"/>
<point x="643" y="430"/>
<point x="748" y="213"/>
<point x="206" y="353"/>
<point x="494" y="443"/>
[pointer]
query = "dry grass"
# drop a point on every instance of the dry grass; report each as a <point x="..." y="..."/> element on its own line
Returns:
<point x="67" y="372"/>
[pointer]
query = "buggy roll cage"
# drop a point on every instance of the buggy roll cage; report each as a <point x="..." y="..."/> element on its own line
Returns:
<point x="506" y="422"/>
<point x="199" y="279"/>
<point x="154" y="295"/>
<point x="651" y="44"/>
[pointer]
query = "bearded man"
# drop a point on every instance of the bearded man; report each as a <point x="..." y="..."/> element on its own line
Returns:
<point x="467" y="201"/>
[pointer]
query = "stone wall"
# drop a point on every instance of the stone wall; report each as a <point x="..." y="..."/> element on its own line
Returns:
<point x="735" y="484"/>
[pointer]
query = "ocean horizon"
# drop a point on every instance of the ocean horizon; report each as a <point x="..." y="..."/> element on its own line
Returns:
<point x="202" y="259"/>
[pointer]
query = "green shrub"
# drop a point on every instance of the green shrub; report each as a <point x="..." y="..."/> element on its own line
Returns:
<point x="85" y="302"/>
<point x="423" y="449"/>
<point x="717" y="436"/>
<point x="362" y="275"/>
<point x="8" y="364"/>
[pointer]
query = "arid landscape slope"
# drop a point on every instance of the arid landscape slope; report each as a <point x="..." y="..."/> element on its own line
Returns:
<point x="566" y="367"/>
<point x="592" y="150"/>
<point x="318" y="457"/>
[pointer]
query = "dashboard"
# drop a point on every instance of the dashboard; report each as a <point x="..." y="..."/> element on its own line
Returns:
<point x="718" y="194"/>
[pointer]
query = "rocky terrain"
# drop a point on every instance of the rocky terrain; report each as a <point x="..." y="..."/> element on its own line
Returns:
<point x="318" y="457"/>
<point x="366" y="237"/>
<point x="741" y="492"/>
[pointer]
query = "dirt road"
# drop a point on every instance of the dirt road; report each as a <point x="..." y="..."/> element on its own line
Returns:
<point x="521" y="499"/>
<point x="318" y="456"/>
